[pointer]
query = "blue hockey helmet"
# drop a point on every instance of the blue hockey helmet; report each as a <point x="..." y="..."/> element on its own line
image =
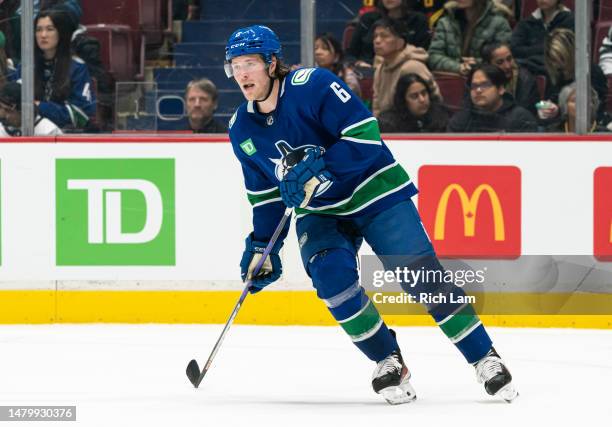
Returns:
<point x="256" y="39"/>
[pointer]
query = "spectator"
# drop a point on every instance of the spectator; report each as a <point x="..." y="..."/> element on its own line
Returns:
<point x="185" y="10"/>
<point x="521" y="84"/>
<point x="10" y="26"/>
<point x="328" y="54"/>
<point x="432" y="9"/>
<point x="360" y="49"/>
<point x="492" y="109"/>
<point x="559" y="59"/>
<point x="465" y="27"/>
<point x="567" y="111"/>
<point x="62" y="86"/>
<point x="415" y="108"/>
<point x="530" y="33"/>
<point x="10" y="114"/>
<point x="201" y="98"/>
<point x="398" y="58"/>
<point x="605" y="54"/>
<point x="6" y="64"/>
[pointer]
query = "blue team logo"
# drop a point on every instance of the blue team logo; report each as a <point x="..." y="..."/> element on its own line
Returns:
<point x="289" y="158"/>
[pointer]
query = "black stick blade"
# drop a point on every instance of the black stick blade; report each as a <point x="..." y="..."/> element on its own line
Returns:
<point x="193" y="372"/>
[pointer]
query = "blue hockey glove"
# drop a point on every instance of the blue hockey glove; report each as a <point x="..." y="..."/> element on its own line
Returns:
<point x="302" y="181"/>
<point x="270" y="270"/>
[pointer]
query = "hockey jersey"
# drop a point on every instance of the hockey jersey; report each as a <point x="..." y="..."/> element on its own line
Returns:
<point x="316" y="108"/>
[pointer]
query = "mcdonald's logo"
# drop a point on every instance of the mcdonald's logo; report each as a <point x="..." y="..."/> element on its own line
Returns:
<point x="602" y="214"/>
<point x="472" y="211"/>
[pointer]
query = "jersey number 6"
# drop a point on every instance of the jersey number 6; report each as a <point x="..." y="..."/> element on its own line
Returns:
<point x="339" y="90"/>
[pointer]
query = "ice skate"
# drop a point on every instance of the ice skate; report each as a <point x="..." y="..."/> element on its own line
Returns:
<point x="497" y="380"/>
<point x="391" y="378"/>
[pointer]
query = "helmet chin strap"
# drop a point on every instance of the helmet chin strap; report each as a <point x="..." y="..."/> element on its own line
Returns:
<point x="269" y="90"/>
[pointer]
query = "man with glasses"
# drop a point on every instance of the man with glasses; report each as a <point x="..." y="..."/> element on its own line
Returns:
<point x="491" y="109"/>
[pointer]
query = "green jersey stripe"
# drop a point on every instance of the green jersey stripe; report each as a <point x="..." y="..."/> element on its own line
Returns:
<point x="365" y="130"/>
<point x="261" y="197"/>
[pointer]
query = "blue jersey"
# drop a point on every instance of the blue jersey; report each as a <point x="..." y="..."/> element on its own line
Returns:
<point x="315" y="108"/>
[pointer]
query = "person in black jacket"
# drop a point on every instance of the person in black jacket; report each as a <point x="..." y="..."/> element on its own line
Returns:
<point x="491" y="109"/>
<point x="361" y="50"/>
<point x="521" y="84"/>
<point x="415" y="108"/>
<point x="528" y="37"/>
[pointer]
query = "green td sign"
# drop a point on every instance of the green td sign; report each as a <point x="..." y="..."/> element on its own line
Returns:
<point x="115" y="212"/>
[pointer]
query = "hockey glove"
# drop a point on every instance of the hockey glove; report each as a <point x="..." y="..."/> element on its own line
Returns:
<point x="270" y="270"/>
<point x="301" y="183"/>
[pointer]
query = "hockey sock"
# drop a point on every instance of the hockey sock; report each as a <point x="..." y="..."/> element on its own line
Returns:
<point x="334" y="275"/>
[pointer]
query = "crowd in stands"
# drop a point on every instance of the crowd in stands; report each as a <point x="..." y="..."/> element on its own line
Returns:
<point x="515" y="70"/>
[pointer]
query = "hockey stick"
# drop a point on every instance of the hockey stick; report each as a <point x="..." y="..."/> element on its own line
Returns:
<point x="193" y="370"/>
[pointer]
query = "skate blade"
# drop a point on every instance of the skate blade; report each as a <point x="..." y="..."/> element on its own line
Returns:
<point x="396" y="395"/>
<point x="508" y="393"/>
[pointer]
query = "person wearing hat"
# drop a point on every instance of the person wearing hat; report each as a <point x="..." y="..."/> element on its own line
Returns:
<point x="10" y="114"/>
<point x="398" y="58"/>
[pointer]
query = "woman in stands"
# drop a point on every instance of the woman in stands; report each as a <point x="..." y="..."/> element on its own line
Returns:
<point x="567" y="111"/>
<point x="559" y="58"/>
<point x="328" y="54"/>
<point x="415" y="108"/>
<point x="528" y="37"/>
<point x="62" y="85"/>
<point x="465" y="27"/>
<point x="361" y="48"/>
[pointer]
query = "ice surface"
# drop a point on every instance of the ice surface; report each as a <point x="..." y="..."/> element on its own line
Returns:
<point x="133" y="375"/>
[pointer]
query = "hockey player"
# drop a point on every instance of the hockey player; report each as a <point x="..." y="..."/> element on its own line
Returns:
<point x="306" y="124"/>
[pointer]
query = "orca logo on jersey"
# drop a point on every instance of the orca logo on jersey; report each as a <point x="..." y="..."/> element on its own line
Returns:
<point x="292" y="156"/>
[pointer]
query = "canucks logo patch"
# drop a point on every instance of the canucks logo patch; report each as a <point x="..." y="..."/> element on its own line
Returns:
<point x="248" y="147"/>
<point x="289" y="158"/>
<point x="301" y="76"/>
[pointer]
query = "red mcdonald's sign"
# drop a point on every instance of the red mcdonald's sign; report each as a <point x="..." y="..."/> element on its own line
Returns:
<point x="472" y="211"/>
<point x="602" y="214"/>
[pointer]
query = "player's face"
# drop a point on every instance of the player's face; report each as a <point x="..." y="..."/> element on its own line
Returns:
<point x="251" y="74"/>
<point x="385" y="42"/>
<point x="47" y="37"/>
<point x="325" y="57"/>
<point x="502" y="57"/>
<point x="200" y="105"/>
<point x="485" y="95"/>
<point x="417" y="99"/>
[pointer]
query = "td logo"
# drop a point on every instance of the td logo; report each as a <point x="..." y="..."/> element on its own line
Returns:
<point x="115" y="212"/>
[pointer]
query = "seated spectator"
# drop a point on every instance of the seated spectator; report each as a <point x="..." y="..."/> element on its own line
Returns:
<point x="491" y="109"/>
<point x="418" y="34"/>
<point x="463" y="30"/>
<point x="10" y="114"/>
<point x="567" y="111"/>
<point x="62" y="86"/>
<point x="10" y="25"/>
<point x="6" y="64"/>
<point x="521" y="84"/>
<point x="530" y="33"/>
<point x="328" y="54"/>
<point x="559" y="58"/>
<point x="185" y="10"/>
<point x="605" y="54"/>
<point x="432" y="9"/>
<point x="201" y="98"/>
<point x="415" y="108"/>
<point x="397" y="58"/>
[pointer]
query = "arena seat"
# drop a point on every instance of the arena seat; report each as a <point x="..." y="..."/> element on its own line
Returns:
<point x="115" y="49"/>
<point x="452" y="87"/>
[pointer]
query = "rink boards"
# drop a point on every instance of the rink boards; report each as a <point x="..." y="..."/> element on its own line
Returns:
<point x="151" y="229"/>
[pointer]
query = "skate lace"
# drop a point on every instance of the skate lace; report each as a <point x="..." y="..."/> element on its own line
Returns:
<point x="488" y="368"/>
<point x="390" y="364"/>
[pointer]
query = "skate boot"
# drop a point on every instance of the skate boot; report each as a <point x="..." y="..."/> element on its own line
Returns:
<point x="391" y="378"/>
<point x="497" y="380"/>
